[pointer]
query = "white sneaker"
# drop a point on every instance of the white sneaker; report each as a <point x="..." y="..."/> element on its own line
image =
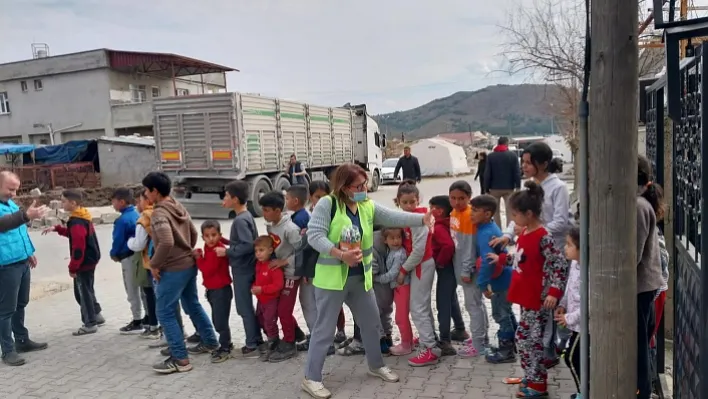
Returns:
<point x="385" y="373"/>
<point x="316" y="389"/>
<point x="162" y="343"/>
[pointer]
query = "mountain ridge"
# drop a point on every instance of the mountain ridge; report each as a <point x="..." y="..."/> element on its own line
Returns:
<point x="513" y="110"/>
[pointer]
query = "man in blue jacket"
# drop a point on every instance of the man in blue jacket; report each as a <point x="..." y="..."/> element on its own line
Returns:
<point x="123" y="229"/>
<point x="16" y="260"/>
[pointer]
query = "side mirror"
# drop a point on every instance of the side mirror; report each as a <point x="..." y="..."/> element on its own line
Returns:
<point x="383" y="141"/>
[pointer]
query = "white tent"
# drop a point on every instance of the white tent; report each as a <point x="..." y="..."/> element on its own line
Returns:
<point x="439" y="157"/>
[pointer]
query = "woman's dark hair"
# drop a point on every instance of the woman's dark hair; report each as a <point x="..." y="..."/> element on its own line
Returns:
<point x="574" y="234"/>
<point x="319" y="185"/>
<point x="463" y="186"/>
<point x="482" y="155"/>
<point x="407" y="187"/>
<point x="527" y="200"/>
<point x="653" y="192"/>
<point x="542" y="157"/>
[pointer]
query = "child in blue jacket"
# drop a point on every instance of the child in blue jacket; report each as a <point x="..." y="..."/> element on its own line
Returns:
<point x="123" y="229"/>
<point x="494" y="277"/>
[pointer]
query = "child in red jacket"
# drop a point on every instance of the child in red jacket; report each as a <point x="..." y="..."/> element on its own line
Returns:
<point x="217" y="281"/>
<point x="448" y="306"/>
<point x="537" y="281"/>
<point x="266" y="287"/>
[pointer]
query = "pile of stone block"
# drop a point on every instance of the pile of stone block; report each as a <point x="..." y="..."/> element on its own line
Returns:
<point x="99" y="214"/>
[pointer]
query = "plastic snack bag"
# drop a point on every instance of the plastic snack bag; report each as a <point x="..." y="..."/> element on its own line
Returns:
<point x="350" y="239"/>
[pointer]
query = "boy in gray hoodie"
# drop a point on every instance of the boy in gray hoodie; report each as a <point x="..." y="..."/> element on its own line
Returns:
<point x="288" y="243"/>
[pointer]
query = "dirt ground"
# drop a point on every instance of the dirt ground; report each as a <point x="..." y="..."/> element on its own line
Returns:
<point x="100" y="196"/>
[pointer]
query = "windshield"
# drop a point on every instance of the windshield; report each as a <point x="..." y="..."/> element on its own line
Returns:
<point x="390" y="163"/>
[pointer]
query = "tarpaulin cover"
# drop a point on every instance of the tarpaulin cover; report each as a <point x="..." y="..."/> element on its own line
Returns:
<point x="72" y="151"/>
<point x="15" y="148"/>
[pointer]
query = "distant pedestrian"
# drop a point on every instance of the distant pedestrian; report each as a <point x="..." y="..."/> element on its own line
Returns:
<point x="410" y="166"/>
<point x="85" y="254"/>
<point x="481" y="166"/>
<point x="16" y="260"/>
<point x="502" y="175"/>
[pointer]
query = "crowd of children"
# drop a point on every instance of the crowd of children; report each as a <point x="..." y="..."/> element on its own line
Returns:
<point x="464" y="247"/>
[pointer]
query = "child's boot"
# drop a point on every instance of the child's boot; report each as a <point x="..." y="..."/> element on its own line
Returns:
<point x="402" y="349"/>
<point x="425" y="357"/>
<point x="284" y="351"/>
<point x="533" y="390"/>
<point x="268" y="348"/>
<point x="503" y="354"/>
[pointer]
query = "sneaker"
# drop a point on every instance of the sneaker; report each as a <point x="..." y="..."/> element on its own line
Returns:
<point x="401" y="350"/>
<point x="194" y="338"/>
<point x="100" y="320"/>
<point x="299" y="335"/>
<point x="84" y="330"/>
<point x="446" y="349"/>
<point x="13" y="359"/>
<point x="220" y="355"/>
<point x="27" y="345"/>
<point x="425" y="357"/>
<point x="267" y="349"/>
<point x="303" y="346"/>
<point x="284" y="351"/>
<point x="344" y="343"/>
<point x="468" y="350"/>
<point x="354" y="348"/>
<point x="165" y="352"/>
<point x="170" y="365"/>
<point x="503" y="354"/>
<point x="201" y="347"/>
<point x="134" y="327"/>
<point x="385" y="348"/>
<point x="385" y="373"/>
<point x="459" y="335"/>
<point x="316" y="389"/>
<point x="248" y="353"/>
<point x="340" y="337"/>
<point x="162" y="343"/>
<point x="150" y="333"/>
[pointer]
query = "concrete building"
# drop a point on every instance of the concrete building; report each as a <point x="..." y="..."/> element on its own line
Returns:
<point x="95" y="93"/>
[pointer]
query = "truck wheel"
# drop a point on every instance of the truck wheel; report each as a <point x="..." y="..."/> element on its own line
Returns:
<point x="259" y="188"/>
<point x="282" y="184"/>
<point x="375" y="181"/>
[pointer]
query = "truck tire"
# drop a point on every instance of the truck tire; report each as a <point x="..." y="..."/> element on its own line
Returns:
<point x="259" y="186"/>
<point x="375" y="181"/>
<point x="281" y="184"/>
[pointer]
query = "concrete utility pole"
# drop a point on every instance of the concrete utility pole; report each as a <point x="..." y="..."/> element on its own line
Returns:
<point x="612" y="145"/>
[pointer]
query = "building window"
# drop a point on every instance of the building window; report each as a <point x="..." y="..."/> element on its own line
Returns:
<point x="43" y="141"/>
<point x="38" y="84"/>
<point x="138" y="93"/>
<point x="155" y="92"/>
<point x="4" y="103"/>
<point x="23" y="85"/>
<point x="182" y="92"/>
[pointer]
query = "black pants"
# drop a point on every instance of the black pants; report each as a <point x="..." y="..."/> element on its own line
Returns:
<point x="220" y="301"/>
<point x="151" y="307"/>
<point x="572" y="358"/>
<point x="86" y="297"/>
<point x="447" y="303"/>
<point x="645" y="328"/>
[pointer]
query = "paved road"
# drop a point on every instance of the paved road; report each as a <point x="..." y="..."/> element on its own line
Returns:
<point x="108" y="365"/>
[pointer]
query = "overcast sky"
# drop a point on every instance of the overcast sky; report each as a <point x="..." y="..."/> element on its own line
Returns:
<point x="390" y="54"/>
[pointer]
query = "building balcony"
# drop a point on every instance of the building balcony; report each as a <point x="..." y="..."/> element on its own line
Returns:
<point x="131" y="114"/>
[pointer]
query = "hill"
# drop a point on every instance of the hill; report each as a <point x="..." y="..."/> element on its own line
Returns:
<point x="502" y="109"/>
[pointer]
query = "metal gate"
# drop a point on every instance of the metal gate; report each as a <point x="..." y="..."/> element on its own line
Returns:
<point x="689" y="179"/>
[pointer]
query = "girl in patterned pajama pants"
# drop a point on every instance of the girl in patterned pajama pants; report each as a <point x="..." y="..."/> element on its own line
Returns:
<point x="529" y="342"/>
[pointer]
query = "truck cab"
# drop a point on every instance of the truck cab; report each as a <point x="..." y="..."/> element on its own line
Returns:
<point x="369" y="144"/>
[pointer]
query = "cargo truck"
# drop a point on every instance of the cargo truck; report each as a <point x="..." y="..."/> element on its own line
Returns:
<point x="206" y="141"/>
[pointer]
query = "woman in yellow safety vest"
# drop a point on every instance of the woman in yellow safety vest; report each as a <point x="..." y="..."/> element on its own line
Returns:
<point x="343" y="270"/>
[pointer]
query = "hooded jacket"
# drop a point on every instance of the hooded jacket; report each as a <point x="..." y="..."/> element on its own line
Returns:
<point x="174" y="236"/>
<point x="83" y="244"/>
<point x="287" y="242"/>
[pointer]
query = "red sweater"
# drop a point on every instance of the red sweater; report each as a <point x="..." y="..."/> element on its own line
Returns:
<point x="408" y="244"/>
<point x="215" y="269"/>
<point x="539" y="270"/>
<point x="270" y="280"/>
<point x="442" y="245"/>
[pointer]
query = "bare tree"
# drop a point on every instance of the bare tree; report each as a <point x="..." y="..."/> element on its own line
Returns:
<point x="546" y="41"/>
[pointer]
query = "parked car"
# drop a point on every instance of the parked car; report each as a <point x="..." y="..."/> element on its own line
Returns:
<point x="387" y="169"/>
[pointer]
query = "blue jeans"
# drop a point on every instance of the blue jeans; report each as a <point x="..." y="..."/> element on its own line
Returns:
<point x="14" y="297"/>
<point x="244" y="308"/>
<point x="173" y="288"/>
<point x="504" y="316"/>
